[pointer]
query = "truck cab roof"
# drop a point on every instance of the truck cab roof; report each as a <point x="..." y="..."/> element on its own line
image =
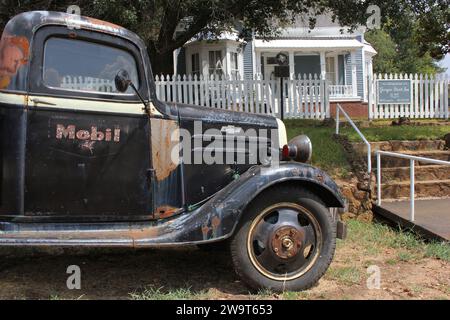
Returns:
<point x="15" y="44"/>
<point x="27" y="23"/>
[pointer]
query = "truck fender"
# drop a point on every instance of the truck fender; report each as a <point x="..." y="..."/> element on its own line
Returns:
<point x="225" y="209"/>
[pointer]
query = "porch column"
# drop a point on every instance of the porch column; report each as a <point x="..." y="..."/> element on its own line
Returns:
<point x="364" y="75"/>
<point x="291" y="65"/>
<point x="255" y="58"/>
<point x="175" y="60"/>
<point x="354" y="78"/>
<point x="258" y="64"/>
<point x="323" y="65"/>
<point x="204" y="60"/>
<point x="227" y="61"/>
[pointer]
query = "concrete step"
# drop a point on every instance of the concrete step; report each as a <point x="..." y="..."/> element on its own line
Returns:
<point x="423" y="189"/>
<point x="391" y="162"/>
<point x="422" y="173"/>
<point x="398" y="146"/>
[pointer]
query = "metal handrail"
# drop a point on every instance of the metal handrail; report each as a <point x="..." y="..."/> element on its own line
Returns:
<point x="369" y="148"/>
<point x="412" y="160"/>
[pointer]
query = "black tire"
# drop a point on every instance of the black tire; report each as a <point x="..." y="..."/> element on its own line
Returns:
<point x="318" y="256"/>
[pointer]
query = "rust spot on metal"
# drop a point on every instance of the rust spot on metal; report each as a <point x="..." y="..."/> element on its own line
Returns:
<point x="162" y="147"/>
<point x="212" y="226"/>
<point x="14" y="53"/>
<point x="215" y="222"/>
<point x="205" y="230"/>
<point x="164" y="212"/>
<point x="287" y="242"/>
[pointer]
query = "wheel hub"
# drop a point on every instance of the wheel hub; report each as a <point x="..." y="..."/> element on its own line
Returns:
<point x="287" y="242"/>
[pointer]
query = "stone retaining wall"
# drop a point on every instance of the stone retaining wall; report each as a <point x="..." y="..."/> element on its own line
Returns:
<point x="359" y="190"/>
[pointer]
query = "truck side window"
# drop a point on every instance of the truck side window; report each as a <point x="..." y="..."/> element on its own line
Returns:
<point x="78" y="65"/>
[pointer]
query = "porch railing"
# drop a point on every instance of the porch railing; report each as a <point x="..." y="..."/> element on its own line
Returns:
<point x="413" y="160"/>
<point x="340" y="91"/>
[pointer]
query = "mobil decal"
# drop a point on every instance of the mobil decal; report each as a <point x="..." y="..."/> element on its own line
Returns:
<point x="70" y="132"/>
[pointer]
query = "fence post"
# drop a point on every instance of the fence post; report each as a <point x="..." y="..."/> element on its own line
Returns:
<point x="282" y="99"/>
<point x="337" y="119"/>
<point x="445" y="102"/>
<point x="327" y="98"/>
<point x="370" y="93"/>
<point x="378" y="179"/>
<point x="412" y="213"/>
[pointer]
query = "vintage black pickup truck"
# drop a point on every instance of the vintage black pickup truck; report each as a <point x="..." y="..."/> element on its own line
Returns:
<point x="87" y="159"/>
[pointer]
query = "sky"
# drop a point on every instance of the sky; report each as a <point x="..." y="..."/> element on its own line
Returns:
<point x="446" y="63"/>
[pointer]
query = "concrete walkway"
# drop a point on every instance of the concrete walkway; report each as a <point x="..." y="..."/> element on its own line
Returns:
<point x="432" y="217"/>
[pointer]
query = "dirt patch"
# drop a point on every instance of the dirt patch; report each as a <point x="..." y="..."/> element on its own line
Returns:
<point x="115" y="274"/>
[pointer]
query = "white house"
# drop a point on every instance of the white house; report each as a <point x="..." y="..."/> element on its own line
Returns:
<point x="329" y="51"/>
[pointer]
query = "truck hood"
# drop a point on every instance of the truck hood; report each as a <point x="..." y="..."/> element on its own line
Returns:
<point x="206" y="114"/>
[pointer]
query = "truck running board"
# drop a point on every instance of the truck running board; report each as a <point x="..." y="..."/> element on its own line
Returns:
<point x="133" y="235"/>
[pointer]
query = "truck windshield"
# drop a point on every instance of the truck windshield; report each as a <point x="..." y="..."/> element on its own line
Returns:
<point x="85" y="66"/>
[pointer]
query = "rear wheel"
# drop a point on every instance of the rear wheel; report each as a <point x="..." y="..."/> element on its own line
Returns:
<point x="285" y="241"/>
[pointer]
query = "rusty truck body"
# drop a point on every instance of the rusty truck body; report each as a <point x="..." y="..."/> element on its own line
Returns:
<point x="86" y="159"/>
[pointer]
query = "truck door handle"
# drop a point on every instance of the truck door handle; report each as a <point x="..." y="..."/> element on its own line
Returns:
<point x="38" y="101"/>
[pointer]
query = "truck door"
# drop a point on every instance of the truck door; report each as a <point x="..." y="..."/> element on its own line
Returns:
<point x="88" y="146"/>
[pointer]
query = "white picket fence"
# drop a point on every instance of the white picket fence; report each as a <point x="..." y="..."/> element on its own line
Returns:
<point x="429" y="97"/>
<point x="304" y="97"/>
<point x="87" y="84"/>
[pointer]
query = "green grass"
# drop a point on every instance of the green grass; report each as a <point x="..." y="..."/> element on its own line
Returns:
<point x="375" y="237"/>
<point x="376" y="131"/>
<point x="327" y="154"/>
<point x="398" y="133"/>
<point x="160" y="294"/>
<point x="266" y="294"/>
<point x="406" y="256"/>
<point x="346" y="275"/>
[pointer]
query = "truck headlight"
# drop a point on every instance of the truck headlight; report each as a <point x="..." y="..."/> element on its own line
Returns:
<point x="298" y="149"/>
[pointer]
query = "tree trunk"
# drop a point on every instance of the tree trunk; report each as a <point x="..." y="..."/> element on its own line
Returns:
<point x="162" y="63"/>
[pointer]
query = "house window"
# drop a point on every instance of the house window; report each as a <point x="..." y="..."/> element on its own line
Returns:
<point x="195" y="62"/>
<point x="215" y="63"/>
<point x="331" y="69"/>
<point x="234" y="65"/>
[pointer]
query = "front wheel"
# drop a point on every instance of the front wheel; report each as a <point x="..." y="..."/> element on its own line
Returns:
<point x="285" y="241"/>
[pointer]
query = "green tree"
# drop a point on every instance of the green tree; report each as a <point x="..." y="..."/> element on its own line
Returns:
<point x="393" y="58"/>
<point x="414" y="41"/>
<point x="166" y="25"/>
<point x="385" y="60"/>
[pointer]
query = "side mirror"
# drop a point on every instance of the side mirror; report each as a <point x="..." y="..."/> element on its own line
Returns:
<point x="122" y="81"/>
